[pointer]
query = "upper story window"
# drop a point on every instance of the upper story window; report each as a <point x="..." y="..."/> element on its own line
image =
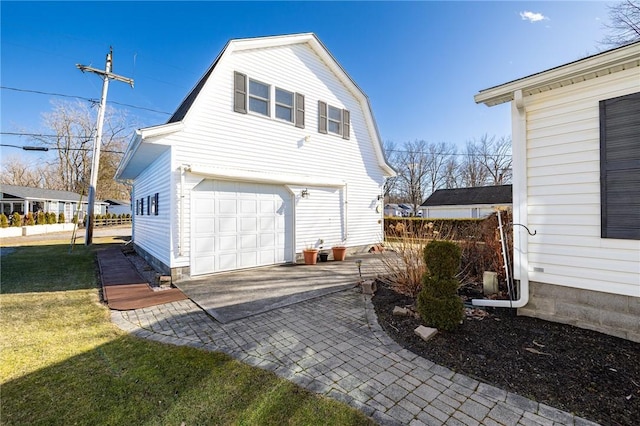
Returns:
<point x="333" y="120"/>
<point x="259" y="97"/>
<point x="255" y="96"/>
<point x="284" y="105"/>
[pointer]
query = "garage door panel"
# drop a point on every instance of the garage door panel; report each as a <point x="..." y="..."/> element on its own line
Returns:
<point x="267" y="241"/>
<point x="268" y="224"/>
<point x="227" y="243"/>
<point x="227" y="224"/>
<point x="251" y="224"/>
<point x="248" y="207"/>
<point x="227" y="206"/>
<point x="248" y="242"/>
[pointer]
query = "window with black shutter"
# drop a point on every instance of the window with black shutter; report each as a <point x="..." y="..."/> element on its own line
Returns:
<point x="620" y="167"/>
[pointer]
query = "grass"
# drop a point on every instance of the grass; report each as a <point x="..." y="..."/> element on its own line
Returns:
<point x="63" y="362"/>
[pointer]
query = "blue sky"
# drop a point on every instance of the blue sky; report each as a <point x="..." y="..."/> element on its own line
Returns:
<point x="420" y="63"/>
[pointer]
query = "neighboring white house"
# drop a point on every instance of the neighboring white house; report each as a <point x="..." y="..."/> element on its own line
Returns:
<point x="576" y="183"/>
<point x="275" y="149"/>
<point x="24" y="199"/>
<point x="466" y="203"/>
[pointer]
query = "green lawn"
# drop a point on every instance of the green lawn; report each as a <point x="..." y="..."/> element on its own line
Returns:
<point x="63" y="362"/>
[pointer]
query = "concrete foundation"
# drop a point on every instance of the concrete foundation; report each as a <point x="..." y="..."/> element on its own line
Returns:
<point x="607" y="313"/>
<point x="177" y="274"/>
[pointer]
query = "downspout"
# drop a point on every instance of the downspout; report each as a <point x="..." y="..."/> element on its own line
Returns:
<point x="294" y="221"/>
<point x="521" y="240"/>
<point x="181" y="209"/>
<point x="346" y="213"/>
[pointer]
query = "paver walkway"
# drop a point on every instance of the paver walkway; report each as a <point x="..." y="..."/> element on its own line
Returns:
<point x="333" y="345"/>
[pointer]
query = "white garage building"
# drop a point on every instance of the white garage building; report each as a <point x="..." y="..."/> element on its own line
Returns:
<point x="274" y="150"/>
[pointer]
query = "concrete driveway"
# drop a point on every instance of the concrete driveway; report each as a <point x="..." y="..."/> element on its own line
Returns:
<point x="233" y="295"/>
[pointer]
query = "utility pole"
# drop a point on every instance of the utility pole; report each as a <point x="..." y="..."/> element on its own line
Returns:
<point x="106" y="76"/>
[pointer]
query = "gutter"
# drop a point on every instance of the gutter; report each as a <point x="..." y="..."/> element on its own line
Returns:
<point x="521" y="244"/>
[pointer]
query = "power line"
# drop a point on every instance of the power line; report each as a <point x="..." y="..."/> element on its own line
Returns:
<point x="55" y="148"/>
<point x="93" y="101"/>
<point x="447" y="153"/>
<point x="40" y="135"/>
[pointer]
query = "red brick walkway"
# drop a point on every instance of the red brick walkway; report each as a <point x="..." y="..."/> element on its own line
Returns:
<point x="123" y="287"/>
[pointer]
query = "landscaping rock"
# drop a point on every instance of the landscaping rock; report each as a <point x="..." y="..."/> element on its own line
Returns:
<point x="402" y="312"/>
<point x="368" y="287"/>
<point x="425" y="333"/>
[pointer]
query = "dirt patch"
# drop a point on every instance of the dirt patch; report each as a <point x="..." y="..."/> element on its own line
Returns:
<point x="590" y="374"/>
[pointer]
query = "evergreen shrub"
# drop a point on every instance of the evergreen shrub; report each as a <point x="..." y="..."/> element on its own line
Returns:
<point x="29" y="220"/>
<point x="61" y="218"/>
<point x="4" y="221"/>
<point x="52" y="219"/>
<point x="438" y="302"/>
<point x="16" y="219"/>
<point x="41" y="218"/>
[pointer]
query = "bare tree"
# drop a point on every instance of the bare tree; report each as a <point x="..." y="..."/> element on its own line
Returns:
<point x="494" y="154"/>
<point x="624" y="25"/>
<point x="412" y="168"/>
<point x="472" y="172"/>
<point x="16" y="172"/>
<point x="438" y="156"/>
<point x="391" y="184"/>
<point x="451" y="173"/>
<point x="72" y="136"/>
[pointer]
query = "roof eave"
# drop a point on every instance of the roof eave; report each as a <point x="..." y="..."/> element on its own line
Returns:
<point x="595" y="66"/>
<point x="132" y="164"/>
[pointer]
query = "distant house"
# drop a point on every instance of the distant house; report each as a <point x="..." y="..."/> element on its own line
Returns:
<point x="576" y="183"/>
<point x="118" y="206"/>
<point x="466" y="203"/>
<point x="23" y="199"/>
<point x="274" y="150"/>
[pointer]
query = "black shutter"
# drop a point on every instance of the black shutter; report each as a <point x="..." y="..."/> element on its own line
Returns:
<point x="141" y="206"/>
<point x="299" y="110"/>
<point x="239" y="92"/>
<point x="322" y="117"/>
<point x="157" y="196"/>
<point x="620" y="167"/>
<point x="148" y="205"/>
<point x="346" y="126"/>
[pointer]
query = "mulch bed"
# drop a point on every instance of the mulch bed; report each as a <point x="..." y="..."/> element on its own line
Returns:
<point x="590" y="374"/>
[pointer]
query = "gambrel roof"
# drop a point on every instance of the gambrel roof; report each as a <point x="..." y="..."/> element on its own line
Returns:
<point x="140" y="154"/>
<point x="469" y="196"/>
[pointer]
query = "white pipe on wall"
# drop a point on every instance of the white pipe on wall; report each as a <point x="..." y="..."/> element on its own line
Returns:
<point x="520" y="236"/>
<point x="181" y="209"/>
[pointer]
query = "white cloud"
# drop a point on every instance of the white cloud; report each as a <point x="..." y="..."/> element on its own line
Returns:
<point x="532" y="16"/>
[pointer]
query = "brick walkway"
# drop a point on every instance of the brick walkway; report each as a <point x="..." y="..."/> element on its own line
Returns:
<point x="333" y="345"/>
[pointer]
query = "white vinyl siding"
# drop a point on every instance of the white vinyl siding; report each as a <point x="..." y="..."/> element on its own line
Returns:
<point x="152" y="232"/>
<point x="563" y="190"/>
<point x="249" y="143"/>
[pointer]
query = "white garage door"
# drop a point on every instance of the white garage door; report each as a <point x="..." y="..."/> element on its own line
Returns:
<point x="239" y="225"/>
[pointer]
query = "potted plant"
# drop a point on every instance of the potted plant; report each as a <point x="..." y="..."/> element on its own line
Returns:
<point x="323" y="255"/>
<point x="339" y="252"/>
<point x="310" y="255"/>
